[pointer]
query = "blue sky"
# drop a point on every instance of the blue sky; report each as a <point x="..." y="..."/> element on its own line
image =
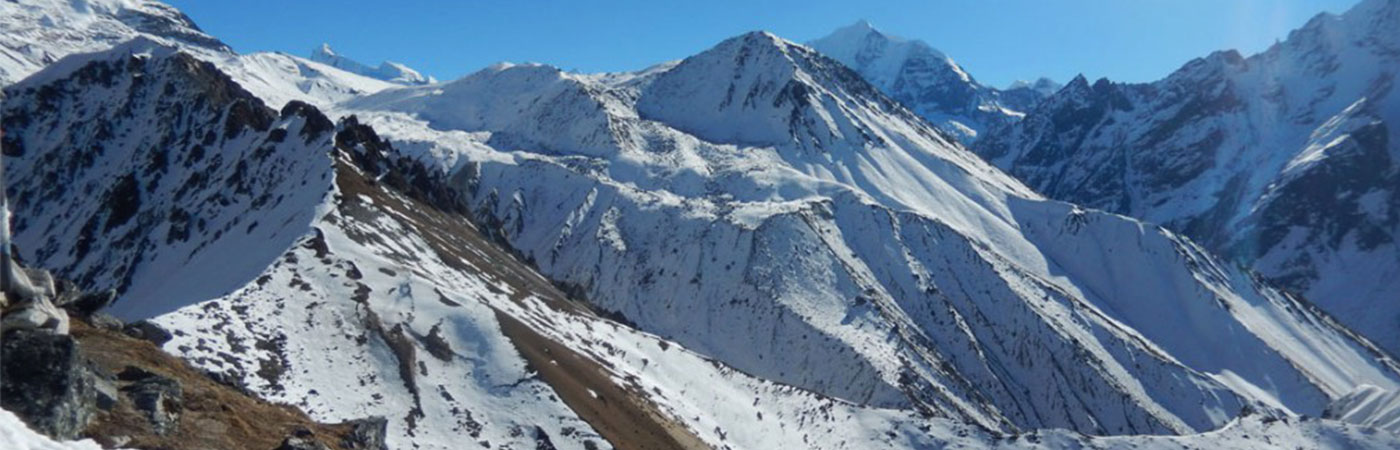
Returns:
<point x="997" y="41"/>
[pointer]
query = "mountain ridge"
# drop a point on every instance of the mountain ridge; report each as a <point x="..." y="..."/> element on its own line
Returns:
<point x="387" y="71"/>
<point x="589" y="230"/>
<point x="754" y="222"/>
<point x="1280" y="160"/>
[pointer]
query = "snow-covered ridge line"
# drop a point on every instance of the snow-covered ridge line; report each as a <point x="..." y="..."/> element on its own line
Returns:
<point x="1285" y="160"/>
<point x="791" y="192"/>
<point x="829" y="272"/>
<point x="39" y="32"/>
<point x="192" y="184"/>
<point x="387" y="71"/>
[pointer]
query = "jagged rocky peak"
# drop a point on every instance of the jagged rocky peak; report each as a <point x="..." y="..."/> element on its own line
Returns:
<point x="387" y="71"/>
<point x="156" y="139"/>
<point x="1282" y="160"/>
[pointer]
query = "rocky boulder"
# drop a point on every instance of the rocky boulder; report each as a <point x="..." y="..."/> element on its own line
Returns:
<point x="366" y="434"/>
<point x="45" y="381"/>
<point x="158" y="398"/>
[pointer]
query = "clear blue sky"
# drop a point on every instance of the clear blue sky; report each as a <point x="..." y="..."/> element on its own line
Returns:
<point x="997" y="41"/>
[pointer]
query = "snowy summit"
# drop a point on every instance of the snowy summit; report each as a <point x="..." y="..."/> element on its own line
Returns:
<point x="387" y="71"/>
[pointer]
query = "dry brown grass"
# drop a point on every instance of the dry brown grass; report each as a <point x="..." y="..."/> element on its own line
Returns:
<point x="215" y="416"/>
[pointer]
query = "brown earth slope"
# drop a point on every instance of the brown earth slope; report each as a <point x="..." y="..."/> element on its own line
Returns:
<point x="213" y="415"/>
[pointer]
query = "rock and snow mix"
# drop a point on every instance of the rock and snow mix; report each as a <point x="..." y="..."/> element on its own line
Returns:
<point x="1286" y="161"/>
<point x="15" y="435"/>
<point x="823" y="237"/>
<point x="760" y="249"/>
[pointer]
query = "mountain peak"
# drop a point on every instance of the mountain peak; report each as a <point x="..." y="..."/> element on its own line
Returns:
<point x="1043" y="85"/>
<point x="759" y="38"/>
<point x="387" y="71"/>
<point x="1078" y="82"/>
<point x="858" y="30"/>
<point x="760" y="89"/>
<point x="880" y="56"/>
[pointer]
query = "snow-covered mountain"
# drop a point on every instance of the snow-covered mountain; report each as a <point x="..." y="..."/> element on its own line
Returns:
<point x="1043" y="86"/>
<point x="390" y="303"/>
<point x="39" y="32"/>
<point x="1024" y="95"/>
<point x="929" y="82"/>
<point x="751" y="248"/>
<point x="1285" y="161"/>
<point x="387" y="71"/>
<point x="194" y="190"/>
<point x="194" y="169"/>
<point x="763" y="205"/>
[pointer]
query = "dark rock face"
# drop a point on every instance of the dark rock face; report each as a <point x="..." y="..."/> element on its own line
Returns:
<point x="376" y="155"/>
<point x="159" y="149"/>
<point x="47" y="383"/>
<point x="147" y="331"/>
<point x="302" y="439"/>
<point x="367" y="434"/>
<point x="87" y="304"/>
<point x="159" y="398"/>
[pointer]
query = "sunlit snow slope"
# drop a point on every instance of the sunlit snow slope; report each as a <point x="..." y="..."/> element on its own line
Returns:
<point x="761" y="204"/>
<point x="930" y="83"/>
<point x="37" y="33"/>
<point x="1285" y="161"/>
<point x="752" y="248"/>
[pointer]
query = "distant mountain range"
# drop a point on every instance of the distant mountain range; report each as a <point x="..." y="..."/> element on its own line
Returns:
<point x="387" y="71"/>
<point x="1285" y="161"/>
<point x="931" y="83"/>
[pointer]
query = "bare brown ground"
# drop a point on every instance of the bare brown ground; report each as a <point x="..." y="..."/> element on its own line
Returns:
<point x="215" y="416"/>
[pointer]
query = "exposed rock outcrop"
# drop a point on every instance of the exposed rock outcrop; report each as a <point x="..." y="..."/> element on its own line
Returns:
<point x="45" y="381"/>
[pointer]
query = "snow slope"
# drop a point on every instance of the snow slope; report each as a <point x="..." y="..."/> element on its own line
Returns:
<point x="15" y="435"/>
<point x="1284" y="161"/>
<point x="1369" y="406"/>
<point x="929" y="82"/>
<point x="200" y="192"/>
<point x="37" y="33"/>
<point x="762" y="205"/>
<point x="169" y="186"/>
<point x="387" y="71"/>
<point x="758" y="248"/>
<point x="852" y="314"/>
